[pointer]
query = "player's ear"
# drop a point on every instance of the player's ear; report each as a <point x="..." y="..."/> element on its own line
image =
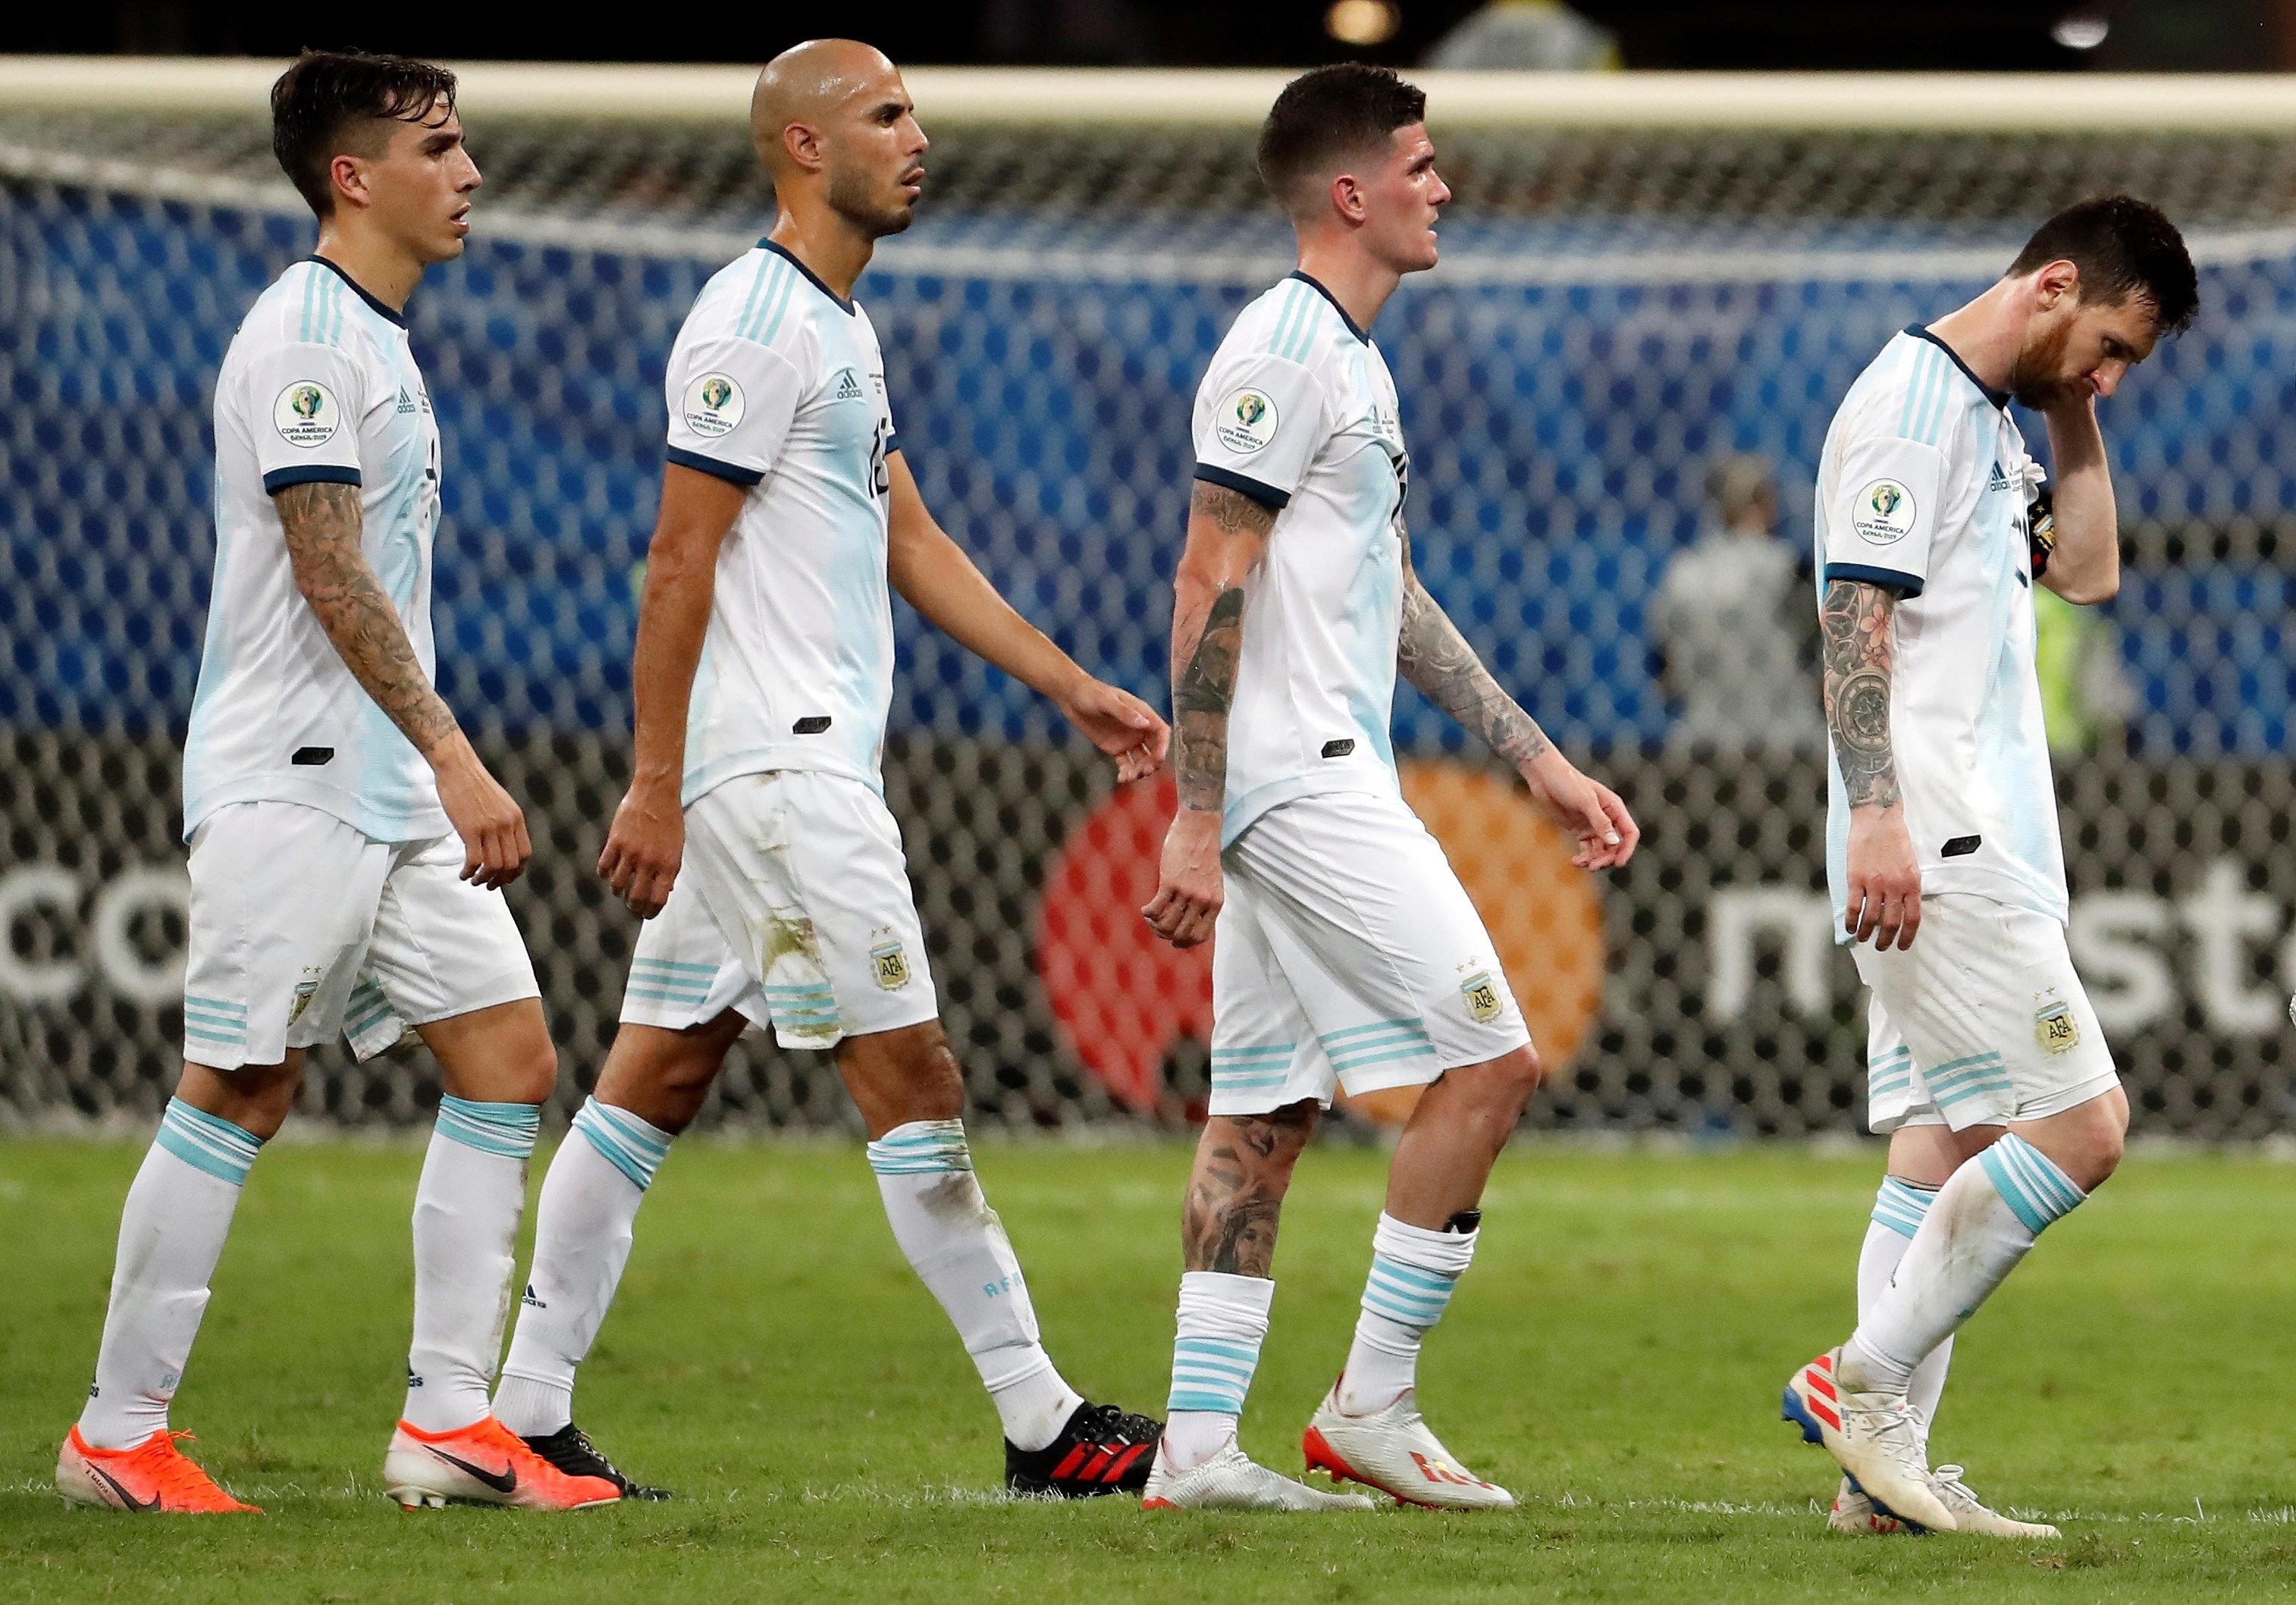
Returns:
<point x="2059" y="281"/>
<point x="347" y="176"/>
<point x="803" y="146"/>
<point x="1348" y="196"/>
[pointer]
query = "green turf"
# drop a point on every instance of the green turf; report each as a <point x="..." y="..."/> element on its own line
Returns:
<point x="1615" y="1358"/>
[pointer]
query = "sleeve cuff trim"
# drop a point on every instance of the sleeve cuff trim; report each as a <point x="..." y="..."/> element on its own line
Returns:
<point x="1265" y="495"/>
<point x="1894" y="579"/>
<point x="310" y="473"/>
<point x="727" y="472"/>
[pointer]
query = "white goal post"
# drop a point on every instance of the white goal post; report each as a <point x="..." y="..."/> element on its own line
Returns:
<point x="1972" y="103"/>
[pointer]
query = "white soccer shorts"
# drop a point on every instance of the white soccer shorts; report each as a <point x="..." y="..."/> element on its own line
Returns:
<point x="302" y="927"/>
<point x="1982" y="1021"/>
<point x="793" y="905"/>
<point x="1348" y="955"/>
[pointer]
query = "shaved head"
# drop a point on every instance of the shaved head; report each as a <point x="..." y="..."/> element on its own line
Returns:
<point x="809" y="84"/>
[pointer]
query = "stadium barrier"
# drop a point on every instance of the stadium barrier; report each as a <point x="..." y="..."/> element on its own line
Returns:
<point x="1641" y="276"/>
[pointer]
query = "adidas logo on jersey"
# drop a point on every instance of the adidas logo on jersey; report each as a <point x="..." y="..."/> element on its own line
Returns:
<point x="1997" y="481"/>
<point x="405" y="401"/>
<point x="849" y="386"/>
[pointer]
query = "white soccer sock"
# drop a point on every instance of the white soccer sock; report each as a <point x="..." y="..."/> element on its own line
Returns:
<point x="1223" y="1321"/>
<point x="466" y="1212"/>
<point x="1984" y="1221"/>
<point x="957" y="1247"/>
<point x="1897" y="1211"/>
<point x="171" y="1232"/>
<point x="581" y="1241"/>
<point x="1413" y="1270"/>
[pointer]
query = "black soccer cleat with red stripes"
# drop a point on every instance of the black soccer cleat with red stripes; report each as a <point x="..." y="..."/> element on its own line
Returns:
<point x="1102" y="1450"/>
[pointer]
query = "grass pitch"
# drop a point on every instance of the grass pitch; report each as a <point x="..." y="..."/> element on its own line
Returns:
<point x="1615" y="1356"/>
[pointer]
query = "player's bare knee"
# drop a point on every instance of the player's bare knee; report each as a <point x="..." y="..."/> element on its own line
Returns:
<point x="897" y="1078"/>
<point x="256" y="1098"/>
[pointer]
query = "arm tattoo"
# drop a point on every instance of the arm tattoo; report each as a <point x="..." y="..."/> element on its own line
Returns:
<point x="322" y="521"/>
<point x="1434" y="657"/>
<point x="1860" y="653"/>
<point x="1237" y="1195"/>
<point x="1203" y="670"/>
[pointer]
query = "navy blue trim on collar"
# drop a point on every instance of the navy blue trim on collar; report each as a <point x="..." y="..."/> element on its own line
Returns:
<point x="789" y="257"/>
<point x="359" y="290"/>
<point x="1999" y="398"/>
<point x="1889" y="579"/>
<point x="1245" y="485"/>
<point x="1316" y="285"/>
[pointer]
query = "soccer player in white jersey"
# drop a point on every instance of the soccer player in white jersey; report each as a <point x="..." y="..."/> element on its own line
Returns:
<point x="1942" y="848"/>
<point x="347" y="848"/>
<point x="1348" y="953"/>
<point x="763" y="679"/>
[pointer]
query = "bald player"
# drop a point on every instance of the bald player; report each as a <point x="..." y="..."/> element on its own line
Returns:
<point x="754" y="840"/>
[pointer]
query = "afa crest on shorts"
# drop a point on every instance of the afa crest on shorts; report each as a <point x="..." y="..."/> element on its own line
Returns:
<point x="1482" y="995"/>
<point x="889" y="961"/>
<point x="2055" y="1028"/>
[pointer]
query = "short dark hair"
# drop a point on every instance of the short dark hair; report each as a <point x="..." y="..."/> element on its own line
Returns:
<point x="2123" y="246"/>
<point x="1330" y="113"/>
<point x="321" y="105"/>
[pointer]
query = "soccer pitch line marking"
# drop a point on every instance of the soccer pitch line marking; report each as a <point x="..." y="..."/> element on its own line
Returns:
<point x="668" y="238"/>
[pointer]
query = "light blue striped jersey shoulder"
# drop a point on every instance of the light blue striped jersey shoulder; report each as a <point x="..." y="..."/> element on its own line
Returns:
<point x="319" y="387"/>
<point x="777" y="384"/>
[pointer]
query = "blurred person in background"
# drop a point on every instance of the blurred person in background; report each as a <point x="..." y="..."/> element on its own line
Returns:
<point x="1731" y="623"/>
<point x="1525" y="36"/>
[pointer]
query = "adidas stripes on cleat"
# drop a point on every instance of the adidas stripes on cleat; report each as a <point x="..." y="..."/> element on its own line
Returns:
<point x="483" y="1463"/>
<point x="1875" y="1437"/>
<point x="571" y="1450"/>
<point x="1392" y="1450"/>
<point x="1102" y="1450"/>
<point x="155" y="1476"/>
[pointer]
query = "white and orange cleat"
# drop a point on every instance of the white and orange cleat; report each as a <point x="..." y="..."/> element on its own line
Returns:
<point x="1874" y="1437"/>
<point x="154" y="1476"/>
<point x="483" y="1463"/>
<point x="1392" y="1450"/>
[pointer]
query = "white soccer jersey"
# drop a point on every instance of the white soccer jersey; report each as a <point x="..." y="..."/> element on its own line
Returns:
<point x="1297" y="411"/>
<point x="777" y="384"/>
<point x="1921" y="489"/>
<point x="318" y="384"/>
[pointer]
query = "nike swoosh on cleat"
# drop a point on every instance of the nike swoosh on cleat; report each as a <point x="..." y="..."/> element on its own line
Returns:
<point x="127" y="1502"/>
<point x="504" y="1481"/>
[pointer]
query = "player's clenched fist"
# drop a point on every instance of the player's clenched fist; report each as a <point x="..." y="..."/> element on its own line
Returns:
<point x="645" y="848"/>
<point x="1188" y="893"/>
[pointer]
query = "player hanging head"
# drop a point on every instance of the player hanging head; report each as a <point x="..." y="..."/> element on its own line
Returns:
<point x="1349" y="954"/>
<point x="763" y="681"/>
<point x="347" y="847"/>
<point x="1942" y="822"/>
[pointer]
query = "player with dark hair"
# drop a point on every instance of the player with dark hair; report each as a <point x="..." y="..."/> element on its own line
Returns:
<point x="754" y="839"/>
<point x="1983" y="1046"/>
<point x="1348" y="953"/>
<point x="347" y="848"/>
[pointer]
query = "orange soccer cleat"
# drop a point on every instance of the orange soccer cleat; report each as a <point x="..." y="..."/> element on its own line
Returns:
<point x="153" y="1476"/>
<point x="485" y="1463"/>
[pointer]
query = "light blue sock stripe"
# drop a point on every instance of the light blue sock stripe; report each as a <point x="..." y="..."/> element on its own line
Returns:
<point x="207" y="1142"/>
<point x="929" y="1145"/>
<point x="1411" y="1294"/>
<point x="631" y="1146"/>
<point x="505" y="1130"/>
<point x="1211" y="1374"/>
<point x="2034" y="1190"/>
<point x="1900" y="1207"/>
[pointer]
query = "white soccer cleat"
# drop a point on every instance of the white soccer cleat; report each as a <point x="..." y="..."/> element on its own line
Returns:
<point x="1392" y="1451"/>
<point x="1856" y="1515"/>
<point x="1971" y="1516"/>
<point x="1229" y="1481"/>
<point x="1875" y="1437"/>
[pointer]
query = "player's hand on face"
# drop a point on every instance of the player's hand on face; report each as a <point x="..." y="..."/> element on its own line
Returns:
<point x="1589" y="809"/>
<point x="1188" y="887"/>
<point x="1121" y="726"/>
<point x="492" y="826"/>
<point x="1885" y="879"/>
<point x="644" y="847"/>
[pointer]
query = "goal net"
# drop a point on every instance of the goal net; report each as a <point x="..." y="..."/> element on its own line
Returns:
<point x="1647" y="295"/>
